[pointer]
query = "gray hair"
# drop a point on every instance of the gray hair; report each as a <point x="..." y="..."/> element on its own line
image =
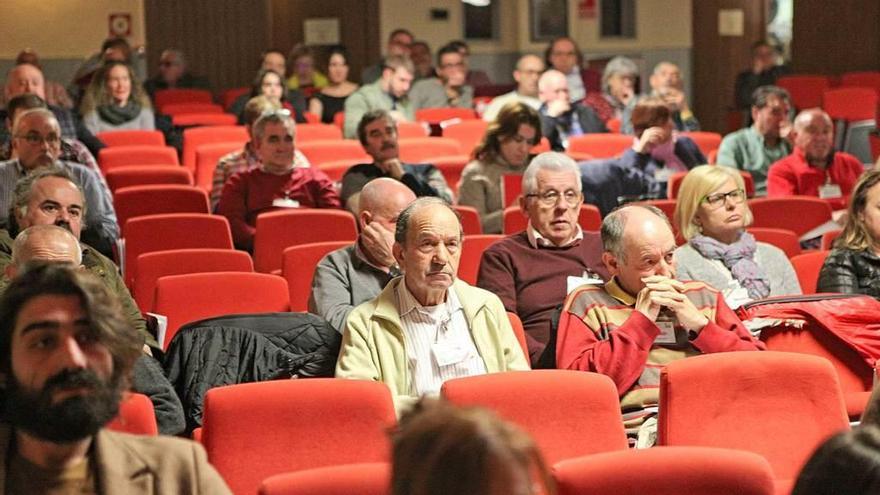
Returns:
<point x="761" y="95"/>
<point x="24" y="189"/>
<point x="22" y="254"/>
<point x="614" y="224"/>
<point x="402" y="228"/>
<point x="551" y="161"/>
<point x="43" y="112"/>
<point x="618" y="65"/>
<point x="281" y="116"/>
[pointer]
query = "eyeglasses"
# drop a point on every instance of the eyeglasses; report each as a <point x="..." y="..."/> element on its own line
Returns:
<point x="36" y="139"/>
<point x="278" y="112"/>
<point x="551" y="197"/>
<point x="736" y="196"/>
<point x="455" y="65"/>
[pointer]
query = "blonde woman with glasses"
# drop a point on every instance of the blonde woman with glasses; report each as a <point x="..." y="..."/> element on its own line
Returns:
<point x="712" y="215"/>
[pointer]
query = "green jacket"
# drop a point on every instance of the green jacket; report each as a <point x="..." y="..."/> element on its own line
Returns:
<point x="371" y="97"/>
<point x="104" y="268"/>
<point x="373" y="346"/>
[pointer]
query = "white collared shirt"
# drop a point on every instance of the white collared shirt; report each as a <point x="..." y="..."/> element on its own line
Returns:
<point x="536" y="240"/>
<point x="439" y="345"/>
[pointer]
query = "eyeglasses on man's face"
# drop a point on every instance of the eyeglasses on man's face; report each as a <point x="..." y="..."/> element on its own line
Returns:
<point x="551" y="197"/>
<point x="36" y="138"/>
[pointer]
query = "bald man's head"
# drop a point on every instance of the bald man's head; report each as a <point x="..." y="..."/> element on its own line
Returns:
<point x="813" y="133"/>
<point x="382" y="200"/>
<point x="638" y="243"/>
<point x="24" y="78"/>
<point x="552" y="86"/>
<point x="44" y="243"/>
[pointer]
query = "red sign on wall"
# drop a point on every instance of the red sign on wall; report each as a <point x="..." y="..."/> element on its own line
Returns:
<point x="120" y="25"/>
<point x="587" y="9"/>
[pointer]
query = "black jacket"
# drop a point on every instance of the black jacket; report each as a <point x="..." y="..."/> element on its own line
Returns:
<point x="557" y="129"/>
<point x="247" y="348"/>
<point x="850" y="272"/>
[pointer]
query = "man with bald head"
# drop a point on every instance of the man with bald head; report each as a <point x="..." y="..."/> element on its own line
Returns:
<point x="26" y="78"/>
<point x="814" y="168"/>
<point x="46" y="243"/>
<point x="643" y="318"/>
<point x="560" y="117"/>
<point x="355" y="274"/>
<point x="427" y="326"/>
<point x="528" y="70"/>
<point x="37" y="143"/>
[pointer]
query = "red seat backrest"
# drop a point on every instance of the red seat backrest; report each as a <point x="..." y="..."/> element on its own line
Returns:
<point x="784" y="239"/>
<point x="363" y="479"/>
<point x="173" y="109"/>
<point x="419" y="150"/>
<point x="295" y="425"/>
<point x="298" y="264"/>
<point x="706" y="141"/>
<point x="164" y="97"/>
<point x="121" y="156"/>
<point x="278" y="230"/>
<point x="600" y="145"/>
<point x="198" y="136"/>
<point x="805" y="90"/>
<point x="131" y="137"/>
<point x="850" y="104"/>
<point x="797" y="213"/>
<point x="207" y="157"/>
<point x="470" y="220"/>
<point x="807" y="266"/>
<point x="468" y="133"/>
<point x="471" y="253"/>
<point x="520" y="332"/>
<point x="136" y="415"/>
<point x="439" y="115"/>
<point x="323" y="151"/>
<point x="590" y="219"/>
<point x="316" y="132"/>
<point x="203" y="119"/>
<point x="146" y="175"/>
<point x="154" y="199"/>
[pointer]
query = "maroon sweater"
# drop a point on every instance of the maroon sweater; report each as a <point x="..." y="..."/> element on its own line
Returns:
<point x="532" y="282"/>
<point x="251" y="192"/>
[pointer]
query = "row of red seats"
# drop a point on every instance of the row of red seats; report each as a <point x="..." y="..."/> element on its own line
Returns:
<point x="738" y="401"/>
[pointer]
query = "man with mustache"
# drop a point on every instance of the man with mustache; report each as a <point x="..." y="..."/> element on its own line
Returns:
<point x="65" y="355"/>
<point x="377" y="132"/>
<point x="427" y="327"/>
<point x="50" y="196"/>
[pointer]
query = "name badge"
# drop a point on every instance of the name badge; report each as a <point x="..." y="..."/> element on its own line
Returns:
<point x="667" y="332"/>
<point x="830" y="191"/>
<point x="448" y="353"/>
<point x="572" y="282"/>
<point x="662" y="174"/>
<point x="285" y="203"/>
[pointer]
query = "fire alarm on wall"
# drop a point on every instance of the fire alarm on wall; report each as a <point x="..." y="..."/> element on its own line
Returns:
<point x="120" y="25"/>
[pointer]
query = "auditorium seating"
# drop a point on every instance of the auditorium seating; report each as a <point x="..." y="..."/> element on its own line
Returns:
<point x="468" y="133"/>
<point x="198" y="136"/>
<point x="131" y="137"/>
<point x="136" y="416"/>
<point x="799" y="214"/>
<point x="584" y="417"/>
<point x="777" y="404"/>
<point x="207" y="157"/>
<point x="313" y="132"/>
<point x="335" y="170"/>
<point x="784" y="239"/>
<point x="298" y="264"/>
<point x="155" y="199"/>
<point x="323" y="151"/>
<point x="828" y="239"/>
<point x="451" y="167"/>
<point x="472" y="249"/>
<point x="145" y="175"/>
<point x="805" y="90"/>
<point x="173" y="109"/>
<point x="706" y="141"/>
<point x="203" y="119"/>
<point x="228" y="97"/>
<point x="122" y="156"/>
<point x="807" y="266"/>
<point x="164" y="97"/>
<point x="412" y="130"/>
<point x="151" y="266"/>
<point x="278" y="230"/>
<point x="600" y="145"/>
<point x="520" y="332"/>
<point x="470" y="220"/>
<point x="294" y="425"/>
<point x="191" y="297"/>
<point x="515" y="220"/>
<point x="439" y="116"/>
<point x="361" y="479"/>
<point x="420" y="150"/>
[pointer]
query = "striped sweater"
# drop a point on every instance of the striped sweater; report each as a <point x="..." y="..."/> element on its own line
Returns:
<point x="600" y="331"/>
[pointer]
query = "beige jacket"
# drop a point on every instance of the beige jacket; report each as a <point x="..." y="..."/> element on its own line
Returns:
<point x="373" y="346"/>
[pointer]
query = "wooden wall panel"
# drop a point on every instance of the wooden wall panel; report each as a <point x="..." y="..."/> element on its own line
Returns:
<point x="835" y="37"/>
<point x="222" y="39"/>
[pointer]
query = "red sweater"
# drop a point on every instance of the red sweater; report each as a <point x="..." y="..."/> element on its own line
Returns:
<point x="251" y="192"/>
<point x="532" y="282"/>
<point x="793" y="175"/>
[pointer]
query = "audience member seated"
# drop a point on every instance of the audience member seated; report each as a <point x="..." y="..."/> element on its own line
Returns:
<point x="276" y="183"/>
<point x="504" y="150"/>
<point x="618" y="96"/>
<point x="564" y="55"/>
<point x="426" y="327"/>
<point x="423" y="60"/>
<point x="377" y="132"/>
<point x="271" y="85"/>
<point x="399" y="42"/>
<point x="754" y="148"/>
<point x="853" y="266"/>
<point x="814" y="168"/>
<point x="71" y="149"/>
<point x="448" y="89"/>
<point x="304" y="77"/>
<point x="37" y="143"/>
<point x="473" y="78"/>
<point x="441" y="449"/>
<point x="50" y="196"/>
<point x="69" y="355"/>
<point x="666" y="84"/>
<point x="247" y="158"/>
<point x="113" y="49"/>
<point x="848" y="463"/>
<point x="390" y="92"/>
<point x="712" y="214"/>
<point x="528" y="70"/>
<point x="533" y="270"/>
<point x="765" y="71"/>
<point x="56" y="94"/>
<point x="643" y="170"/>
<point x="27" y="78"/>
<point x="173" y="74"/>
<point x="116" y="101"/>
<point x="49" y="243"/>
<point x="330" y="100"/>
<point x="274" y="60"/>
<point x="643" y="318"/>
<point x="356" y="274"/>
<point x="560" y="117"/>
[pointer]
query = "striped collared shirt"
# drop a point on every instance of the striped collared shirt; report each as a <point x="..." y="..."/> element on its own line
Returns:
<point x="439" y="345"/>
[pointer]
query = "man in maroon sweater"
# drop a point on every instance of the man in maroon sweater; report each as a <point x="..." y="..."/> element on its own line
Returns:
<point x="276" y="184"/>
<point x="532" y="271"/>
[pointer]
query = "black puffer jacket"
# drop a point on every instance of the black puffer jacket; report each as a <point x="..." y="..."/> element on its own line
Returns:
<point x="247" y="348"/>
<point x="851" y="272"/>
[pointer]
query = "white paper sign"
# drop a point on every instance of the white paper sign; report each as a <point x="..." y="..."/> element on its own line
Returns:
<point x="731" y="22"/>
<point x="323" y="31"/>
